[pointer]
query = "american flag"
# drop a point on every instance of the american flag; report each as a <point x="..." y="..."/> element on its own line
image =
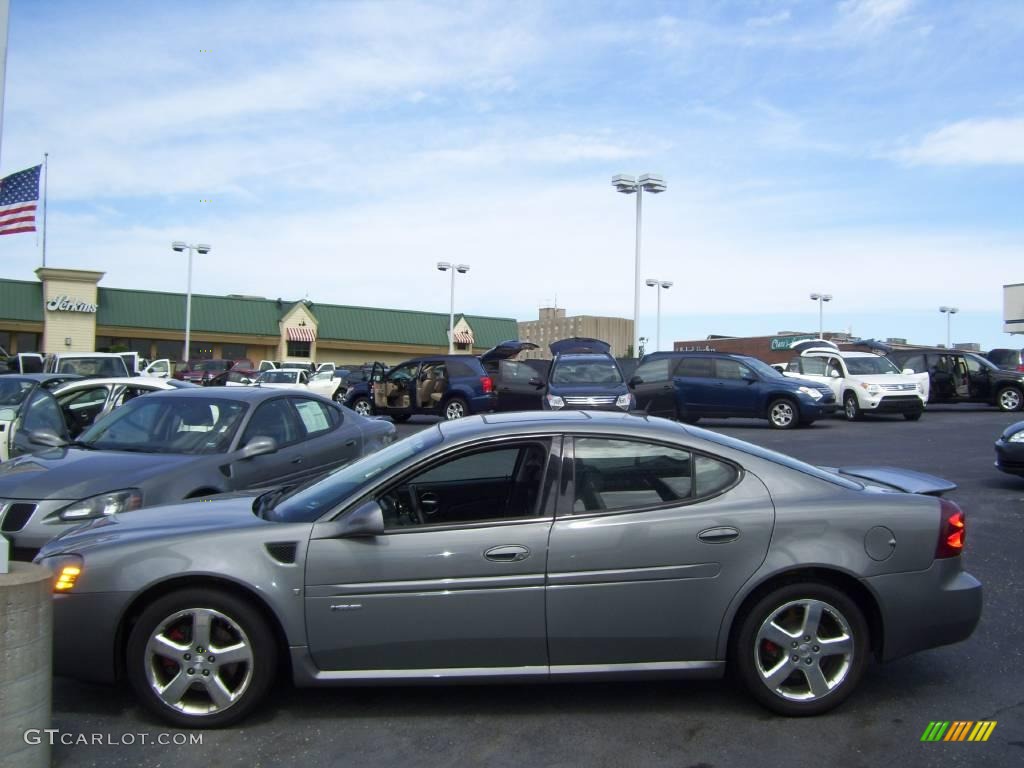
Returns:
<point x="19" y="196"/>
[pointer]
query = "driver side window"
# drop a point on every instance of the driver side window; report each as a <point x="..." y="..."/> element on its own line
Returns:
<point x="482" y="486"/>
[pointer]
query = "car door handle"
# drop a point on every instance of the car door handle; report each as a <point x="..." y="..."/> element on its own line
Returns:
<point x="718" y="535"/>
<point x="298" y="459"/>
<point x="510" y="553"/>
<point x="350" y="443"/>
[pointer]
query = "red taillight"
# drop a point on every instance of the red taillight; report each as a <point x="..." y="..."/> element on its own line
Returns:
<point x="952" y="530"/>
<point x="488" y="383"/>
<point x="1020" y="368"/>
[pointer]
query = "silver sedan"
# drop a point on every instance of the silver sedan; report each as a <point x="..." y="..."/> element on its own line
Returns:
<point x="511" y="547"/>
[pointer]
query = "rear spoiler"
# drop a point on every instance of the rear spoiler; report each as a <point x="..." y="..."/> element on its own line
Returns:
<point x="906" y="480"/>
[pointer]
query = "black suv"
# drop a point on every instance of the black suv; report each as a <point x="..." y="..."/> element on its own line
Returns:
<point x="957" y="376"/>
<point x="1010" y="359"/>
<point x="584" y="375"/>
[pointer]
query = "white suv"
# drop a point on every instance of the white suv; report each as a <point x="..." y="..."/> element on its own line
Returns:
<point x="864" y="382"/>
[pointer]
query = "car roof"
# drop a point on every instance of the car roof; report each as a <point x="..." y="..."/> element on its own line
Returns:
<point x="233" y="393"/>
<point x="557" y="421"/>
<point x="44" y="377"/>
<point x="162" y="383"/>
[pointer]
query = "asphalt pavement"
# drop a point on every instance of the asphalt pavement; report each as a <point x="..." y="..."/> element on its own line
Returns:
<point x="678" y="724"/>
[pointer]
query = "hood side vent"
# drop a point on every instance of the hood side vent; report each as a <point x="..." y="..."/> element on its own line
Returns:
<point x="283" y="551"/>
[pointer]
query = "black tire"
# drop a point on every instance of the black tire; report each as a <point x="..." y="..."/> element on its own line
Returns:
<point x="851" y="407"/>
<point x="915" y="416"/>
<point x="250" y="679"/>
<point x="1009" y="399"/>
<point x="400" y="418"/>
<point x="455" y="408"/>
<point x="362" y="406"/>
<point x="753" y="652"/>
<point x="783" y="413"/>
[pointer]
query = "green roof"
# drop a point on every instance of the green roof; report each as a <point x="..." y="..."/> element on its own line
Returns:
<point x="21" y="300"/>
<point x="120" y="307"/>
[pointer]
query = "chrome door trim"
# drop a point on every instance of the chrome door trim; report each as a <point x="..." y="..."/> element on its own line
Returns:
<point x="473" y="583"/>
<point x="638" y="668"/>
<point x="654" y="573"/>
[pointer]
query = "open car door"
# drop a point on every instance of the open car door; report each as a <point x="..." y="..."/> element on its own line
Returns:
<point x="160" y="369"/>
<point x="578" y="345"/>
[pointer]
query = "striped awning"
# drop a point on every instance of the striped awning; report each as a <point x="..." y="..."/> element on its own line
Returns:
<point x="463" y="337"/>
<point x="301" y="333"/>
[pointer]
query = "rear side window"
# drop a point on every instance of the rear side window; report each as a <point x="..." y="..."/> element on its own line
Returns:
<point x="617" y="475"/>
<point x="656" y="370"/>
<point x="458" y="368"/>
<point x="317" y="418"/>
<point x="696" y="367"/>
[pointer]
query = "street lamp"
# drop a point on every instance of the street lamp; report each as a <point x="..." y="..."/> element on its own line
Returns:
<point x="462" y="269"/>
<point x="202" y="249"/>
<point x="659" y="284"/>
<point x="948" y="312"/>
<point x="627" y="185"/>
<point x="821" y="298"/>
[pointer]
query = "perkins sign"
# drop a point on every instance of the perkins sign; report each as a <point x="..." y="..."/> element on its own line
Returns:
<point x="780" y="343"/>
<point x="67" y="304"/>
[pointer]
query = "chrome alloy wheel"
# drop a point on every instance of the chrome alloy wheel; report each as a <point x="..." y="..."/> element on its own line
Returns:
<point x="803" y="650"/>
<point x="455" y="410"/>
<point x="362" y="407"/>
<point x="1009" y="399"/>
<point x="199" y="661"/>
<point x="782" y="413"/>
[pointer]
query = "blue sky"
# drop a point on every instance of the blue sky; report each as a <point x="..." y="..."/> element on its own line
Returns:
<point x="872" y="149"/>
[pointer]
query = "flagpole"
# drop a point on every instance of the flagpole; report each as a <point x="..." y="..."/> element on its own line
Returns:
<point x="46" y="180"/>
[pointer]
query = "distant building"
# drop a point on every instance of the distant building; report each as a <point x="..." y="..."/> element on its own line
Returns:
<point x="771" y="349"/>
<point x="1013" y="308"/>
<point x="553" y="324"/>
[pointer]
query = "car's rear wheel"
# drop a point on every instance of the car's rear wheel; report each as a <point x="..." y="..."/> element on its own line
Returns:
<point x="1009" y="399"/>
<point x="783" y="414"/>
<point x="200" y="658"/>
<point x="455" y="408"/>
<point x="851" y="408"/>
<point x="802" y="649"/>
<point x="362" y="406"/>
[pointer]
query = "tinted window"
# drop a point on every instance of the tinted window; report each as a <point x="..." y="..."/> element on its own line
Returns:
<point x="280" y="377"/>
<point x="316" y="417"/>
<point x="729" y="369"/>
<point x="814" y="366"/>
<point x="712" y="475"/>
<point x="622" y="474"/>
<point x="569" y="371"/>
<point x="488" y="485"/>
<point x="95" y="366"/>
<point x="976" y="364"/>
<point x="515" y="372"/>
<point x="42" y="412"/>
<point x="168" y="425"/>
<point x="869" y="366"/>
<point x="460" y="368"/>
<point x="696" y="367"/>
<point x="273" y="419"/>
<point x="656" y="370"/>
<point x="12" y="392"/>
<point x="915" y="363"/>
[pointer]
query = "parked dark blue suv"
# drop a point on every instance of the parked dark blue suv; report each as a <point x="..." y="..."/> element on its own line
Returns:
<point x="690" y="385"/>
<point x="585" y="375"/>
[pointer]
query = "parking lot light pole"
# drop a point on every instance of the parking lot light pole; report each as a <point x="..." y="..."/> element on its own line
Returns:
<point x="627" y="185"/>
<point x="948" y="312"/>
<point x="659" y="284"/>
<point x="821" y="298"/>
<point x="203" y="249"/>
<point x="446" y="266"/>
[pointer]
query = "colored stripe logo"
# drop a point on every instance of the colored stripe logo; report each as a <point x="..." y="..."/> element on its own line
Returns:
<point x="958" y="730"/>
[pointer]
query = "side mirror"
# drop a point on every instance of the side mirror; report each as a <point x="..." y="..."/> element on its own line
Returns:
<point x="258" y="446"/>
<point x="245" y="380"/>
<point x="909" y="371"/>
<point x="635" y="381"/>
<point x="47" y="438"/>
<point x="749" y="376"/>
<point x="535" y="382"/>
<point x="365" y="520"/>
<point x="834" y="374"/>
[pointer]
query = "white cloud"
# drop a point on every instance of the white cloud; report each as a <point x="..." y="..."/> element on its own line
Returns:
<point x="872" y="16"/>
<point x="998" y="141"/>
<point x="769" y="21"/>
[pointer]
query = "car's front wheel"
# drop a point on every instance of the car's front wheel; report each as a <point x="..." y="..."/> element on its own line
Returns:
<point x="782" y="414"/>
<point x="1009" y="399"/>
<point x="802" y="649"/>
<point x="362" y="406"/>
<point x="851" y="408"/>
<point x="200" y="658"/>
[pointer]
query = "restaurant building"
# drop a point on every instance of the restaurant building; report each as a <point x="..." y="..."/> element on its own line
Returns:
<point x="66" y="310"/>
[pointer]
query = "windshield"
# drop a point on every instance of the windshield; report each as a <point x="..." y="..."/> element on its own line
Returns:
<point x="168" y="424"/>
<point x="867" y="366"/>
<point x="92" y="366"/>
<point x="279" y="377"/>
<point x="210" y="365"/>
<point x="13" y="392"/>
<point x="573" y="371"/>
<point x="312" y="502"/>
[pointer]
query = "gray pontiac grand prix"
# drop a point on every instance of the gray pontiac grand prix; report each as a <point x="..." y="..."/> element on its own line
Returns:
<point x="521" y="547"/>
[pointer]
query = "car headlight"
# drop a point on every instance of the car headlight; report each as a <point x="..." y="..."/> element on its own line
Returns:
<point x="555" y="402"/>
<point x="873" y="389"/>
<point x="1016" y="437"/>
<point x="624" y="401"/>
<point x="811" y="392"/>
<point x="66" y="570"/>
<point x="102" y="504"/>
